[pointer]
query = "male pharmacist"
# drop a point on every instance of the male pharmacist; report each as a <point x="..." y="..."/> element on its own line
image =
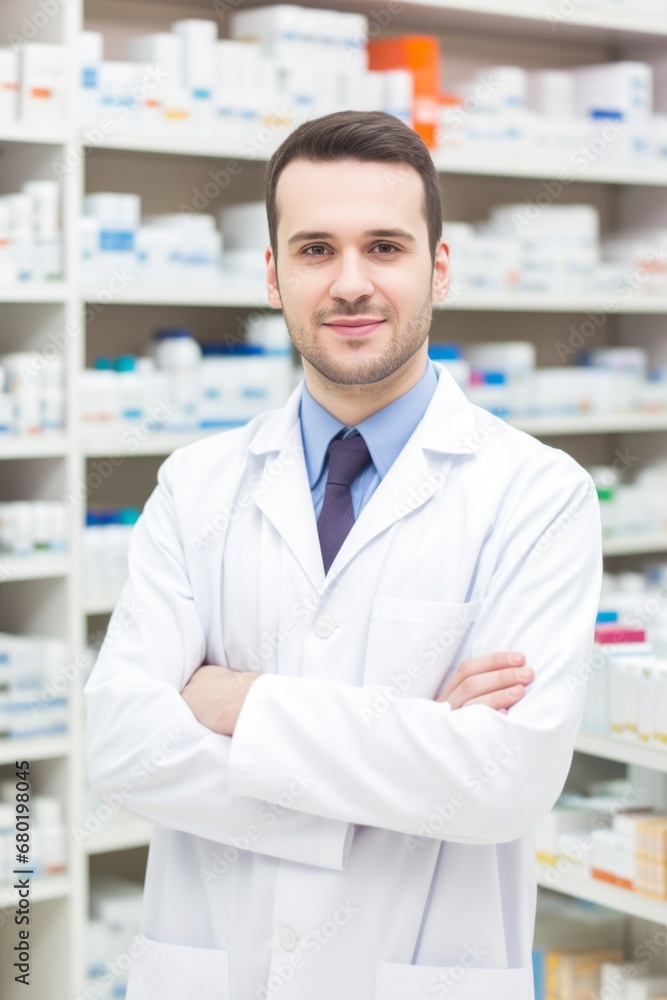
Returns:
<point x="317" y="700"/>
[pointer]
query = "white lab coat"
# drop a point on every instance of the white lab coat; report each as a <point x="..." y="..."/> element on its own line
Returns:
<point x="354" y="838"/>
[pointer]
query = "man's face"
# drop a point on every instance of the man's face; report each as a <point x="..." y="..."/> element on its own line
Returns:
<point x="355" y="278"/>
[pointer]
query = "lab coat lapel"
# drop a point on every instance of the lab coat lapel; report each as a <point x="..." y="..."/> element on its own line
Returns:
<point x="283" y="493"/>
<point x="429" y="457"/>
<point x="414" y="479"/>
<point x="408" y="484"/>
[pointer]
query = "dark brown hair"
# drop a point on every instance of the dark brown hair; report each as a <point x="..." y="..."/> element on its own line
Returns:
<point x="368" y="136"/>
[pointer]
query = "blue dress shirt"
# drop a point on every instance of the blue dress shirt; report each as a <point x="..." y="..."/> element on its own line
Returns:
<point x="386" y="433"/>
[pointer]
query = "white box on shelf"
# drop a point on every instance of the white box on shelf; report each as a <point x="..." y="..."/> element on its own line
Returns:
<point x="43" y="80"/>
<point x="9" y="86"/>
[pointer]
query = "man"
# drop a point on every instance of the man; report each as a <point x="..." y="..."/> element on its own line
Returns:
<point x="342" y="696"/>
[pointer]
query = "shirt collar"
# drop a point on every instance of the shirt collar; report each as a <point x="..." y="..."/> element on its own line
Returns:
<point x="386" y="432"/>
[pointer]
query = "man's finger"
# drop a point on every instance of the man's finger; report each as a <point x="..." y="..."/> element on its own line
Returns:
<point x="500" y="699"/>
<point x="500" y="672"/>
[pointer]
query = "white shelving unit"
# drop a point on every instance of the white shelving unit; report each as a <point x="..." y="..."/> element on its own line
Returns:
<point x="34" y="749"/>
<point x="54" y="599"/>
<point x="245" y="295"/>
<point x="119" y="836"/>
<point x="35" y="291"/>
<point x="55" y="887"/>
<point x="534" y="19"/>
<point x="37" y="567"/>
<point x="633" y="904"/>
<point x="624" y="751"/>
<point x="35" y="446"/>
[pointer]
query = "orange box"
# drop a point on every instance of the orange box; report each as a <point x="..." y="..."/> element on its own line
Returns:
<point x="420" y="54"/>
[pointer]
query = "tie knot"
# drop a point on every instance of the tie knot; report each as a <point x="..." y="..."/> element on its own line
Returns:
<point x="347" y="457"/>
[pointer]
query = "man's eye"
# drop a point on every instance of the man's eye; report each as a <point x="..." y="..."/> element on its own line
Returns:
<point x="318" y="250"/>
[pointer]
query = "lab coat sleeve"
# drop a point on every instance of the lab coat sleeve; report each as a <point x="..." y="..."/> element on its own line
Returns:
<point x="145" y="745"/>
<point x="418" y="767"/>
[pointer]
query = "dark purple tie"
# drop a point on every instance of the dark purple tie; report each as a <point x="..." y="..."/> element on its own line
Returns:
<point x="347" y="457"/>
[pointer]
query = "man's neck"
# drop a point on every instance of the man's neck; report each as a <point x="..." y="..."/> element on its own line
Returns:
<point x="351" y="404"/>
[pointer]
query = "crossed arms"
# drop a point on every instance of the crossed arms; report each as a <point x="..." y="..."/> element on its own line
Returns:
<point x="148" y="684"/>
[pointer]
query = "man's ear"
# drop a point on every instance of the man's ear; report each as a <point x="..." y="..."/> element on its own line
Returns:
<point x="272" y="279"/>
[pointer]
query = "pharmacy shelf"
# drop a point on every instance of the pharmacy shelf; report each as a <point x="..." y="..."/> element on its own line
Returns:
<point x="183" y="143"/>
<point x="603" y="33"/>
<point x="35" y="292"/>
<point x="479" y="164"/>
<point x="623" y="423"/>
<point x="542" y="19"/>
<point x="34" y="748"/>
<point x="626" y="752"/>
<point x="100" y="604"/>
<point x="630" y="545"/>
<point x="236" y="294"/>
<point x="249" y="295"/>
<point x="487" y="164"/>
<point x="118" y="836"/>
<point x="40" y="135"/>
<point x="604" y="894"/>
<point x="140" y="442"/>
<point x="32" y="446"/>
<point x="35" y="567"/>
<point x="41" y="889"/>
<point x="527" y="18"/>
<point x="544" y="302"/>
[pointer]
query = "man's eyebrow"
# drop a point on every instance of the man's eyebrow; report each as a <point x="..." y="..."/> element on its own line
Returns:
<point x="401" y="234"/>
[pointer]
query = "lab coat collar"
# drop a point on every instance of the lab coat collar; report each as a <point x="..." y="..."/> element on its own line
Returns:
<point x="284" y="496"/>
<point x="447" y="425"/>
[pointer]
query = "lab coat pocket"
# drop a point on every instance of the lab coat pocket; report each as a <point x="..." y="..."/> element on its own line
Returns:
<point x="174" y="971"/>
<point x="412" y="644"/>
<point x="419" y="982"/>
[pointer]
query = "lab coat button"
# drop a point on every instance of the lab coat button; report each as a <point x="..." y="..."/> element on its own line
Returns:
<point x="324" y="627"/>
<point x="288" y="938"/>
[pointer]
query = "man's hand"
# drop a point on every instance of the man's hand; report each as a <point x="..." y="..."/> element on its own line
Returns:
<point x="216" y="694"/>
<point x="497" y="680"/>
